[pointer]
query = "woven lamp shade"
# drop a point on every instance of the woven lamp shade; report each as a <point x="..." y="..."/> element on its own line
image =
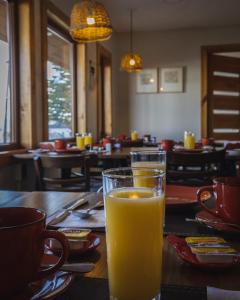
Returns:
<point x="90" y="22"/>
<point x="131" y="62"/>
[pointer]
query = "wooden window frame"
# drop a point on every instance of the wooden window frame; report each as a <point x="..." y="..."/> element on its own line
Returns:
<point x="13" y="52"/>
<point x="104" y="53"/>
<point x="63" y="33"/>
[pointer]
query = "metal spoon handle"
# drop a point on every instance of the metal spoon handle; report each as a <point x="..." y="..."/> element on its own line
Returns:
<point x="98" y="204"/>
<point x="212" y="222"/>
<point x="77" y="267"/>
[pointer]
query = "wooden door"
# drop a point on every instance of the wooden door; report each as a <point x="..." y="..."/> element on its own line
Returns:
<point x="223" y="97"/>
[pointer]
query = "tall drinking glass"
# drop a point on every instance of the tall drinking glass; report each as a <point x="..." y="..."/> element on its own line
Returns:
<point x="134" y="232"/>
<point x="144" y="160"/>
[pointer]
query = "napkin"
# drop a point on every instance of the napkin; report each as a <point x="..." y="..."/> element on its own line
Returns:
<point x="220" y="294"/>
<point x="97" y="220"/>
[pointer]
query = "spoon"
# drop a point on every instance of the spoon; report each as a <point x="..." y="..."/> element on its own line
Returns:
<point x="76" y="267"/>
<point x="86" y="214"/>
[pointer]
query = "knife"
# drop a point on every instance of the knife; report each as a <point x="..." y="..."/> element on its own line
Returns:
<point x="65" y="213"/>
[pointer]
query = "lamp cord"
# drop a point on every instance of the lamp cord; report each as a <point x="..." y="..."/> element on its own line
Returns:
<point x="131" y="33"/>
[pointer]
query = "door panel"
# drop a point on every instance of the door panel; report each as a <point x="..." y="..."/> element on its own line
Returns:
<point x="223" y="99"/>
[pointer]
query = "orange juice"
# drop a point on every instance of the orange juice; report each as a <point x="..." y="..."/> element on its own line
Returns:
<point x="134" y="243"/>
<point x="134" y="135"/>
<point x="189" y="140"/>
<point x="148" y="182"/>
<point x="80" y="142"/>
<point x="88" y="140"/>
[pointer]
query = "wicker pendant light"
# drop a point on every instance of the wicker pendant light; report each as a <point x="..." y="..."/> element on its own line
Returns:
<point x="131" y="62"/>
<point x="90" y="22"/>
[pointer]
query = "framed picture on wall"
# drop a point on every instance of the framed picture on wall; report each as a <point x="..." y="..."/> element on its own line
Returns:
<point x="171" y="80"/>
<point x="147" y="81"/>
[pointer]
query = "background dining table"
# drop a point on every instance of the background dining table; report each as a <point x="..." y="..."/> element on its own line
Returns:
<point x="180" y="280"/>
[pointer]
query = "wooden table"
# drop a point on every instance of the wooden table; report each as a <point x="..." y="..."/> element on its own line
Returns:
<point x="123" y="153"/>
<point x="175" y="271"/>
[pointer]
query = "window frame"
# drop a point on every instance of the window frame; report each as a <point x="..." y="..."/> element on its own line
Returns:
<point x="63" y="33"/>
<point x="13" y="54"/>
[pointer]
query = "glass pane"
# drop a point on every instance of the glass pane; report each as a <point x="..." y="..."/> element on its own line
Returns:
<point x="5" y="91"/>
<point x="60" y="98"/>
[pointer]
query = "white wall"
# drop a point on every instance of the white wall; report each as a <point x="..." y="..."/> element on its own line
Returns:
<point x="165" y="115"/>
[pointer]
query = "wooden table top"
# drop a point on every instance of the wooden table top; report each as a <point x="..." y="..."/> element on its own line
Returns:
<point x="175" y="271"/>
<point x="123" y="153"/>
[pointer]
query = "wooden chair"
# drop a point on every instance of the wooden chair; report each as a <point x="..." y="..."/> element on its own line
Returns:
<point x="56" y="173"/>
<point x="196" y="169"/>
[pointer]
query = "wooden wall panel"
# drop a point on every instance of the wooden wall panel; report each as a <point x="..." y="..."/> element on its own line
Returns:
<point x="81" y="88"/>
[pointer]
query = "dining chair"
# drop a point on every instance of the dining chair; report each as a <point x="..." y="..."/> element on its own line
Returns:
<point x="194" y="168"/>
<point x="63" y="172"/>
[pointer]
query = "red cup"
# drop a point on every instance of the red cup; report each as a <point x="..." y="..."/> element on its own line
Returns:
<point x="167" y="144"/>
<point x="22" y="236"/>
<point x="106" y="141"/>
<point x="60" y="144"/>
<point x="207" y="141"/>
<point x="226" y="191"/>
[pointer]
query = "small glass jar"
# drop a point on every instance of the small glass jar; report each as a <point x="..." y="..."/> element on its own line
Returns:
<point x="134" y="135"/>
<point x="80" y="141"/>
<point x="88" y="140"/>
<point x="189" y="140"/>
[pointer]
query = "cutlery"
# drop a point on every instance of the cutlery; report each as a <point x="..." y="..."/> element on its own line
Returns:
<point x="86" y="214"/>
<point x="75" y="267"/>
<point x="65" y="213"/>
<point x="213" y="222"/>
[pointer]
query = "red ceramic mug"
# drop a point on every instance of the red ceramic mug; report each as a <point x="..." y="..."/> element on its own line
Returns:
<point x="22" y="236"/>
<point x="226" y="191"/>
<point x="167" y="144"/>
<point x="207" y="141"/>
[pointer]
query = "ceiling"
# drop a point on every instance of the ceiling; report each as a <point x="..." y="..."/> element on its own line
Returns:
<point x="153" y="15"/>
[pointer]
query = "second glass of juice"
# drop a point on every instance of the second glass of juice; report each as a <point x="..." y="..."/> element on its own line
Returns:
<point x="144" y="160"/>
<point x="134" y="232"/>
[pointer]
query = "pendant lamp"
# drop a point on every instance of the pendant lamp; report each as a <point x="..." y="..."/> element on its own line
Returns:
<point x="90" y="22"/>
<point x="131" y="62"/>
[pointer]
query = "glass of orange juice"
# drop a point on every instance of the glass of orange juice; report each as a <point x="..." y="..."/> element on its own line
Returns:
<point x="134" y="233"/>
<point x="144" y="160"/>
<point x="189" y="140"/>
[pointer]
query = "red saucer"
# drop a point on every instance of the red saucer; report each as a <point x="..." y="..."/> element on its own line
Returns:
<point x="206" y="217"/>
<point x="185" y="253"/>
<point x="47" y="288"/>
<point x="69" y="150"/>
<point x="177" y="195"/>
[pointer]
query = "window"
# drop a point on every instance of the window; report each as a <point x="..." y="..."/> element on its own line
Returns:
<point x="7" y="82"/>
<point x="60" y="79"/>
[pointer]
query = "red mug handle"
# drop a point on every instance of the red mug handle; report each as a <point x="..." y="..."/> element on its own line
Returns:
<point x="199" y="194"/>
<point x="64" y="254"/>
